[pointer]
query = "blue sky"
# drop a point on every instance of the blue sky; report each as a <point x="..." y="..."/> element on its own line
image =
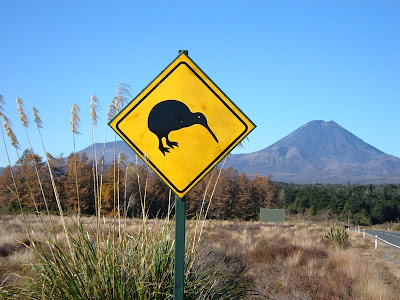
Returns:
<point x="284" y="63"/>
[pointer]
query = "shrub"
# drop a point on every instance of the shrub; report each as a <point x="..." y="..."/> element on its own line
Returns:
<point x="395" y="227"/>
<point x="339" y="236"/>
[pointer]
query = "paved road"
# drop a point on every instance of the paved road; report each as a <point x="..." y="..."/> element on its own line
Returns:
<point x="389" y="236"/>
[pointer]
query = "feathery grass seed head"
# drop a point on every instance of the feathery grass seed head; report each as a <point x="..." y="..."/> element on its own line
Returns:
<point x="121" y="158"/>
<point x="75" y="119"/>
<point x="7" y="122"/>
<point x="123" y="96"/>
<point x="50" y="158"/>
<point x="11" y="135"/>
<point x="131" y="169"/>
<point x="94" y="107"/>
<point x="2" y="110"/>
<point x="38" y="121"/>
<point x="2" y="102"/>
<point x="112" y="111"/>
<point x="22" y="115"/>
<point x="4" y="118"/>
<point x="118" y="103"/>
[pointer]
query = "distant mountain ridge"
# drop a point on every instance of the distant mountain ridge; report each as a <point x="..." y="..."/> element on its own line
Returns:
<point x="120" y="147"/>
<point x="320" y="152"/>
<point x="317" y="152"/>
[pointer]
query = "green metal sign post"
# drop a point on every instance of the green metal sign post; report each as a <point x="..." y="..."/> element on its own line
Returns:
<point x="179" y="266"/>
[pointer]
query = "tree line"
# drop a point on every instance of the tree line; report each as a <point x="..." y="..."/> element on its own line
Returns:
<point x="363" y="204"/>
<point x="133" y="189"/>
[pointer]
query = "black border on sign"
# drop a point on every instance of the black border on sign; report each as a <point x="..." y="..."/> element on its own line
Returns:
<point x="215" y="161"/>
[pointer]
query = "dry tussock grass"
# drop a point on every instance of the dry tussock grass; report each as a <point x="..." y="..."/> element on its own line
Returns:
<point x="296" y="262"/>
<point x="277" y="261"/>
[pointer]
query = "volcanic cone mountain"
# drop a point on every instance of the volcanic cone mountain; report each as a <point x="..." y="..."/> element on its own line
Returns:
<point x="320" y="152"/>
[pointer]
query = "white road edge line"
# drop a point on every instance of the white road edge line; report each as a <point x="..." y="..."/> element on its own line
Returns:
<point x="384" y="241"/>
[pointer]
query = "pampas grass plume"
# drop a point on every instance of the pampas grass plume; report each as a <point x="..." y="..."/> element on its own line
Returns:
<point x="22" y="115"/>
<point x="94" y="106"/>
<point x="11" y="135"/>
<point x="38" y="121"/>
<point x="75" y="119"/>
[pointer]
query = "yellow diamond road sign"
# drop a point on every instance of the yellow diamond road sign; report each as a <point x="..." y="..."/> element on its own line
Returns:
<point x="182" y="124"/>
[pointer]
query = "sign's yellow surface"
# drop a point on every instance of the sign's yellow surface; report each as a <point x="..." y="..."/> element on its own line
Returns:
<point x="182" y="125"/>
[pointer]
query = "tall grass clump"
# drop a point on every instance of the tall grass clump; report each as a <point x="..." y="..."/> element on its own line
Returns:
<point x="99" y="262"/>
<point x="339" y="236"/>
<point x="139" y="267"/>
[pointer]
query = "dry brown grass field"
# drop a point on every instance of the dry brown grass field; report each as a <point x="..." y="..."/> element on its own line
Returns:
<point x="51" y="257"/>
<point x="288" y="261"/>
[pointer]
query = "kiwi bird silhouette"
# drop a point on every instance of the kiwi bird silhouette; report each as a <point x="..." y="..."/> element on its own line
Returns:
<point x="170" y="115"/>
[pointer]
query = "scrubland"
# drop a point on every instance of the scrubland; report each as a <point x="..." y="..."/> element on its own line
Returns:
<point x="266" y="261"/>
<point x="44" y="256"/>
